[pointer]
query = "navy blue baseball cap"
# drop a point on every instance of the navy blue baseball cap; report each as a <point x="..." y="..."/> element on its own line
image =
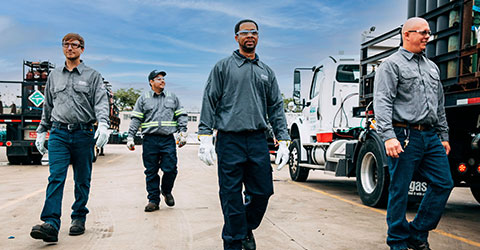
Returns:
<point x="155" y="73"/>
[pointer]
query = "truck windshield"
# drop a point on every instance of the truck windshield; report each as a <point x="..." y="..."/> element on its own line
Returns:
<point x="348" y="73"/>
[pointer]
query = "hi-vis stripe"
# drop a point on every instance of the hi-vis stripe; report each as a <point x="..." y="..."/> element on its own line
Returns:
<point x="149" y="124"/>
<point x="137" y="114"/>
<point x="169" y="123"/>
<point x="179" y="112"/>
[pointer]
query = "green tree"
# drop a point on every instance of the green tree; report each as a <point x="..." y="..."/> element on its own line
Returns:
<point x="126" y="98"/>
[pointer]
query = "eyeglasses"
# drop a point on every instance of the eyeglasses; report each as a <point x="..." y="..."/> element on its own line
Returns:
<point x="246" y="32"/>
<point x="74" y="45"/>
<point x="422" y="32"/>
<point x="159" y="79"/>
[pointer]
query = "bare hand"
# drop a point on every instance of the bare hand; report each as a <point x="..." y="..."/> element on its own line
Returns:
<point x="446" y="145"/>
<point x="393" y="147"/>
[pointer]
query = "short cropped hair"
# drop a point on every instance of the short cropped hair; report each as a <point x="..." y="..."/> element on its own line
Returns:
<point x="74" y="36"/>
<point x="237" y="26"/>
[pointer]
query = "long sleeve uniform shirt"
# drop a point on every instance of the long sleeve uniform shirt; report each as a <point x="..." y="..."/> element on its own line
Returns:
<point x="158" y="114"/>
<point x="77" y="96"/>
<point x="239" y="95"/>
<point x="407" y="88"/>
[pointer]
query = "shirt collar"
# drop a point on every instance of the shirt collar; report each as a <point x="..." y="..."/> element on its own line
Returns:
<point x="153" y="93"/>
<point x="409" y="55"/>
<point x="80" y="68"/>
<point x="241" y="59"/>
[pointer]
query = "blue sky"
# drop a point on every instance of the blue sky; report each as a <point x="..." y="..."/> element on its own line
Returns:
<point x="125" y="40"/>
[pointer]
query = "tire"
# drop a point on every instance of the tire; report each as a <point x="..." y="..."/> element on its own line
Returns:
<point x="36" y="159"/>
<point x="15" y="160"/>
<point x="476" y="193"/>
<point x="297" y="173"/>
<point x="96" y="152"/>
<point x="372" y="179"/>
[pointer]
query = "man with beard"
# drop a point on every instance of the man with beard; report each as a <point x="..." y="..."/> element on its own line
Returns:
<point x="240" y="92"/>
<point x="75" y="98"/>
<point x="410" y="114"/>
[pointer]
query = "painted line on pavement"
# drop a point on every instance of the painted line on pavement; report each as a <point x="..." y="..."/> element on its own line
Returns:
<point x="438" y="231"/>
<point x="27" y="196"/>
<point x="10" y="203"/>
<point x="114" y="159"/>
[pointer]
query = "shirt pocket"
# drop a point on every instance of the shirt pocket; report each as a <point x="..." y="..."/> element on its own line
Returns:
<point x="434" y="79"/>
<point x="408" y="79"/>
<point x="82" y="93"/>
<point x="59" y="93"/>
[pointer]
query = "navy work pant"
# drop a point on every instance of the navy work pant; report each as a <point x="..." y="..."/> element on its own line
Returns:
<point x="65" y="147"/>
<point x="426" y="154"/>
<point x="159" y="152"/>
<point x="243" y="158"/>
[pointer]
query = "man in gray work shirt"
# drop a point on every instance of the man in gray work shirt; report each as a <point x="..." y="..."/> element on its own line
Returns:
<point x="408" y="104"/>
<point x="75" y="98"/>
<point x="160" y="115"/>
<point x="241" y="91"/>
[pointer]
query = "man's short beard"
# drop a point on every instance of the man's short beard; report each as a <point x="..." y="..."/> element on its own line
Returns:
<point x="248" y="49"/>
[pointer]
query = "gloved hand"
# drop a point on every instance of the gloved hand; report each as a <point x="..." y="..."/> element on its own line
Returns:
<point x="101" y="134"/>
<point x="130" y="143"/>
<point x="206" y="151"/>
<point x="182" y="139"/>
<point x="282" y="154"/>
<point x="40" y="142"/>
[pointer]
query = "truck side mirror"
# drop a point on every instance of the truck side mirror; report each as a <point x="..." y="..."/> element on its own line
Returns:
<point x="334" y="101"/>
<point x="296" y="86"/>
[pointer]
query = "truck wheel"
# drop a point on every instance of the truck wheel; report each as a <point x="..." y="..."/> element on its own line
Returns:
<point x="36" y="159"/>
<point x="96" y="152"/>
<point x="476" y="193"/>
<point x="372" y="179"/>
<point x="15" y="160"/>
<point x="297" y="173"/>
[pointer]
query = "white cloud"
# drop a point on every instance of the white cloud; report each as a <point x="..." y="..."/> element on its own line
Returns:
<point x="116" y="59"/>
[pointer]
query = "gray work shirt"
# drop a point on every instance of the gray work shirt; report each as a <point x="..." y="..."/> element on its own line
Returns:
<point x="158" y="114"/>
<point x="76" y="96"/>
<point x="407" y="89"/>
<point x="239" y="95"/>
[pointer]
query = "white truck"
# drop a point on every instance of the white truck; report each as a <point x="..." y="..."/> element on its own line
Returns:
<point x="328" y="135"/>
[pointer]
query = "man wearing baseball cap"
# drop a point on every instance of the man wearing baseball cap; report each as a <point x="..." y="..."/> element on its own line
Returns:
<point x="160" y="115"/>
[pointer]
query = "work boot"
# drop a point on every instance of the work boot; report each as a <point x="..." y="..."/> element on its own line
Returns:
<point x="151" y="207"/>
<point x="169" y="199"/>
<point x="417" y="245"/>
<point x="77" y="227"/>
<point x="45" y="232"/>
<point x="249" y="242"/>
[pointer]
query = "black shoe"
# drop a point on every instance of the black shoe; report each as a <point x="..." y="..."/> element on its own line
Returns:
<point x="249" y="242"/>
<point x="151" y="207"/>
<point x="77" y="227"/>
<point x="418" y="245"/>
<point x="169" y="199"/>
<point x="45" y="232"/>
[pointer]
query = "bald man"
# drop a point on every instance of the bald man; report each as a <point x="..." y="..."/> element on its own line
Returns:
<point x="410" y="115"/>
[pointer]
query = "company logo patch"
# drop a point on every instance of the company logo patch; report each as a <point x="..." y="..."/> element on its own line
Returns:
<point x="264" y="77"/>
<point x="82" y="83"/>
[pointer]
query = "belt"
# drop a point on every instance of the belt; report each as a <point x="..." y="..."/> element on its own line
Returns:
<point x="73" y="126"/>
<point x="420" y="127"/>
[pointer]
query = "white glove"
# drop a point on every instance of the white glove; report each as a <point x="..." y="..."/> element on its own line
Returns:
<point x="182" y="139"/>
<point x="282" y="154"/>
<point x="130" y="143"/>
<point x="101" y="134"/>
<point x="40" y="142"/>
<point x="206" y="151"/>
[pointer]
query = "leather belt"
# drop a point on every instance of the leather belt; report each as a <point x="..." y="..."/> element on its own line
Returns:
<point x="420" y="127"/>
<point x="73" y="126"/>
